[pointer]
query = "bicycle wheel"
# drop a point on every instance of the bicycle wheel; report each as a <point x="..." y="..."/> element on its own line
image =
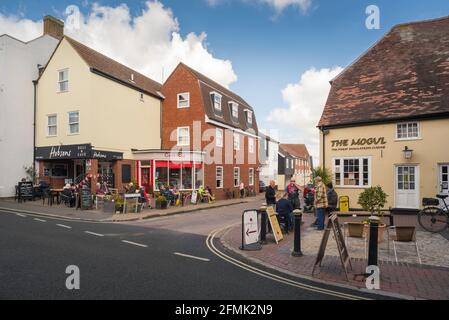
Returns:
<point x="433" y="219"/>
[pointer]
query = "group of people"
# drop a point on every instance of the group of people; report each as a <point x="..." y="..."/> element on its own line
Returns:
<point x="325" y="201"/>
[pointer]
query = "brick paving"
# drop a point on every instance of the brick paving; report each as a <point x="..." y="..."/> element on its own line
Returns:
<point x="408" y="279"/>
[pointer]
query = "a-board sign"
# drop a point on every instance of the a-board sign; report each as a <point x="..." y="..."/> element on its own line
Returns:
<point x="26" y="191"/>
<point x="272" y="217"/>
<point x="250" y="227"/>
<point x="345" y="259"/>
<point x="194" y="198"/>
<point x="86" y="198"/>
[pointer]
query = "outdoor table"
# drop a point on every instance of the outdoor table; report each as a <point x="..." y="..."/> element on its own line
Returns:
<point x="127" y="196"/>
<point x="58" y="193"/>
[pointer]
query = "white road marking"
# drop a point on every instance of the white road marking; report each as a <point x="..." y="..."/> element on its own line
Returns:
<point x="64" y="226"/>
<point x="94" y="234"/>
<point x="21" y="215"/>
<point x="192" y="257"/>
<point x="135" y="244"/>
<point x="40" y="220"/>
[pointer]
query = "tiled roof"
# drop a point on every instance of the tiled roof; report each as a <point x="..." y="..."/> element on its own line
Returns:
<point x="111" y="68"/>
<point x="404" y="75"/>
<point x="296" y="150"/>
<point x="207" y="86"/>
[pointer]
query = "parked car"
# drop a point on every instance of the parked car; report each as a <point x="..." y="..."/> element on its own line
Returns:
<point x="262" y="187"/>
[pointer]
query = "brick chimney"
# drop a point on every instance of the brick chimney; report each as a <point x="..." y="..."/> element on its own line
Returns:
<point x="53" y="27"/>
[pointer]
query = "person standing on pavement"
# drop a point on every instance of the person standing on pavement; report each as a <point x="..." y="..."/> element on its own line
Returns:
<point x="332" y="199"/>
<point x="270" y="194"/>
<point x="321" y="203"/>
<point x="293" y="191"/>
<point x="242" y="189"/>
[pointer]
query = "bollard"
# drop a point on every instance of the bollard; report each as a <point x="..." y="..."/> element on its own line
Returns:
<point x="373" y="243"/>
<point x="263" y="227"/>
<point x="297" y="242"/>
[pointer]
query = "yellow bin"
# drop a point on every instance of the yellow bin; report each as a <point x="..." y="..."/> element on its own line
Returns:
<point x="344" y="204"/>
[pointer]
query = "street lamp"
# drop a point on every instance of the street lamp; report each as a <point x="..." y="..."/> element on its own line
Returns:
<point x="408" y="153"/>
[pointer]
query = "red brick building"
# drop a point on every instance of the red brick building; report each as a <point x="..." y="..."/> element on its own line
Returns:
<point x="201" y="119"/>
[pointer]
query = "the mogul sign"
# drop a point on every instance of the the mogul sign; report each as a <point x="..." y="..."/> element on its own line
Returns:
<point x="358" y="144"/>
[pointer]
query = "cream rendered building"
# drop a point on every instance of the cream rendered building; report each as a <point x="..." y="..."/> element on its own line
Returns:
<point x="386" y="121"/>
<point x="91" y="113"/>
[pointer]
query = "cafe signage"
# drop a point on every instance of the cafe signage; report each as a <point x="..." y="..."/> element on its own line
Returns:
<point x="359" y="144"/>
<point x="77" y="151"/>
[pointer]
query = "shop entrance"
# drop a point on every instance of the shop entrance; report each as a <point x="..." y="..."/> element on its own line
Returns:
<point x="407" y="187"/>
<point x="443" y="180"/>
<point x="79" y="170"/>
<point x="145" y="174"/>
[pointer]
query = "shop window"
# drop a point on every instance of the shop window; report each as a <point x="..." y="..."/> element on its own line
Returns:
<point x="219" y="177"/>
<point x="74" y="122"/>
<point x="126" y="173"/>
<point x="199" y="175"/>
<point x="161" y="174"/>
<point x="406" y="131"/>
<point x="56" y="170"/>
<point x="174" y="174"/>
<point x="52" y="127"/>
<point x="63" y="80"/>
<point x="236" y="177"/>
<point x="183" y="100"/>
<point x="251" y="176"/>
<point x="352" y="172"/>
<point x="187" y="176"/>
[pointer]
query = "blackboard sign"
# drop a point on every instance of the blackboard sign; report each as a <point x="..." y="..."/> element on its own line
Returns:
<point x="345" y="259"/>
<point x="86" y="198"/>
<point x="126" y="173"/>
<point x="25" y="191"/>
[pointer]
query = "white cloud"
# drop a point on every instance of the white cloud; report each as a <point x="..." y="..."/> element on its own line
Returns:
<point x="149" y="42"/>
<point x="305" y="100"/>
<point x="277" y="5"/>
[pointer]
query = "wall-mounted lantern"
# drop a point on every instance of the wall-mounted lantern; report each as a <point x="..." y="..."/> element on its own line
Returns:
<point x="408" y="153"/>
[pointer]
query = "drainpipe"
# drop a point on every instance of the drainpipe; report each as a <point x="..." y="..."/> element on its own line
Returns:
<point x="34" y="125"/>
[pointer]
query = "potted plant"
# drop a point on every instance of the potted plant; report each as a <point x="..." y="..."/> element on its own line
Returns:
<point x="373" y="200"/>
<point x="161" y="202"/>
<point x="119" y="204"/>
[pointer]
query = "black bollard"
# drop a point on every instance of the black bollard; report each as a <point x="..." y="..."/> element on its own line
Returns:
<point x="373" y="240"/>
<point x="297" y="241"/>
<point x="263" y="227"/>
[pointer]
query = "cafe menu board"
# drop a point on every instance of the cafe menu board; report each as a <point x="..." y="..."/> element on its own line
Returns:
<point x="25" y="191"/>
<point x="86" y="198"/>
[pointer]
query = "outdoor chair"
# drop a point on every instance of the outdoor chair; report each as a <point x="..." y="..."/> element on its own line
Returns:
<point x="65" y="200"/>
<point x="403" y="235"/>
<point x="355" y="230"/>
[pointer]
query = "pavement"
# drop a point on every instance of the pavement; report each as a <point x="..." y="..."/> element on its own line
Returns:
<point x="172" y="257"/>
<point x="62" y="211"/>
<point x="407" y="280"/>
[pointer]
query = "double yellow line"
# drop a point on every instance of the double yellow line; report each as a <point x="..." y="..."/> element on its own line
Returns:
<point x="210" y="245"/>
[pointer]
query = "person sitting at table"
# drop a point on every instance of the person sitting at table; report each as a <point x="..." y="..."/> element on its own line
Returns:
<point x="68" y="196"/>
<point x="130" y="188"/>
<point x="284" y="209"/>
<point x="98" y="188"/>
<point x="105" y="188"/>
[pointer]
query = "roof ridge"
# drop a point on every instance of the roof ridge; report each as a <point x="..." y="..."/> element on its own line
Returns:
<point x="109" y="58"/>
<point x="430" y="20"/>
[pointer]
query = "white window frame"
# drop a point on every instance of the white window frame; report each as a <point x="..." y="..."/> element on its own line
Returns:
<point x="234" y="109"/>
<point x="236" y="141"/>
<point x="178" y="130"/>
<point x="53" y="125"/>
<point x="249" y="116"/>
<point x="70" y="123"/>
<point x="340" y="169"/>
<point x="63" y="81"/>
<point x="238" y="176"/>
<point x="216" y="94"/>
<point x="407" y="124"/>
<point x="219" y="141"/>
<point x="251" y="177"/>
<point x="250" y="145"/>
<point x="187" y="94"/>
<point x="219" y="177"/>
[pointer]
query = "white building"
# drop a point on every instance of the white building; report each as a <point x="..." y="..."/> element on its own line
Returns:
<point x="19" y="67"/>
<point x="268" y="155"/>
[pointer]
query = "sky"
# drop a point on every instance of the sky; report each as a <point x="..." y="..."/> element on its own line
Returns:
<point x="279" y="55"/>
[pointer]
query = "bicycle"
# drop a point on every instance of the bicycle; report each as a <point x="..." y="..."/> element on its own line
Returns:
<point x="433" y="218"/>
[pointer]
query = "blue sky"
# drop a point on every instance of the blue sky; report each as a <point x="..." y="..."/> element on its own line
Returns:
<point x="269" y="50"/>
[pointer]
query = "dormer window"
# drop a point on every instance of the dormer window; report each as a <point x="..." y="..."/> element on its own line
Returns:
<point x="132" y="77"/>
<point x="249" y="117"/>
<point x="216" y="100"/>
<point x="234" y="111"/>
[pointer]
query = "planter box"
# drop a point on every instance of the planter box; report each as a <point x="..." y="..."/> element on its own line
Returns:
<point x="109" y="207"/>
<point x="161" y="205"/>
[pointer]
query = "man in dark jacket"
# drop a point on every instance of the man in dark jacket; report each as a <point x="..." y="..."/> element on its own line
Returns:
<point x="270" y="194"/>
<point x="284" y="208"/>
<point x="332" y="199"/>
